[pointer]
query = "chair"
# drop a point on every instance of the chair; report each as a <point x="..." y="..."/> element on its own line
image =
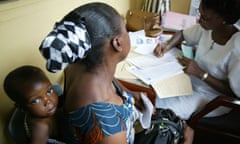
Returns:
<point x="16" y="126"/>
<point x="135" y="87"/>
<point x="224" y="129"/>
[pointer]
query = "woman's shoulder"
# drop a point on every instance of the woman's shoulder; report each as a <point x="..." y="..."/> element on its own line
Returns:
<point x="196" y="28"/>
<point x="193" y="34"/>
<point x="236" y="43"/>
<point x="236" y="37"/>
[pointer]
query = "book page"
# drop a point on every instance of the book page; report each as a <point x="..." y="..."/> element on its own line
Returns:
<point x="144" y="61"/>
<point x="178" y="85"/>
<point x="156" y="73"/>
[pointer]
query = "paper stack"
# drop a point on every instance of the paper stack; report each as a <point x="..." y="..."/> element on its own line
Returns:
<point x="164" y="74"/>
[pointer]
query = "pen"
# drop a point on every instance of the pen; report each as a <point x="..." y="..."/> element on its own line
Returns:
<point x="160" y="38"/>
<point x="160" y="41"/>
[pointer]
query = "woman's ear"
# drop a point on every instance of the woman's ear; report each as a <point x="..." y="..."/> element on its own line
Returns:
<point x="116" y="44"/>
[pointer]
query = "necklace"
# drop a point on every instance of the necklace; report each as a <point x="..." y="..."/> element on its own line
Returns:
<point x="211" y="45"/>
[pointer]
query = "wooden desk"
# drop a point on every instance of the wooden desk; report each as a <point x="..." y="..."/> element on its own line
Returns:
<point x="135" y="87"/>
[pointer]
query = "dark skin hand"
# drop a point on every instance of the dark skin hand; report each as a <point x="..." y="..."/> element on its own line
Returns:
<point x="162" y="48"/>
<point x="192" y="68"/>
<point x="138" y="100"/>
<point x="137" y="97"/>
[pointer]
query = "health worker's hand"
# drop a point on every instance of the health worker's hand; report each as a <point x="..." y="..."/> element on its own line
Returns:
<point x="191" y="67"/>
<point x="160" y="49"/>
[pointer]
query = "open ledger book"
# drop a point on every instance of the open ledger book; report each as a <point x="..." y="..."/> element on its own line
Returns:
<point x="164" y="74"/>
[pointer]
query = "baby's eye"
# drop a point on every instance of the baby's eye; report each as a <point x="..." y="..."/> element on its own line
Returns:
<point x="36" y="101"/>
<point x="50" y="91"/>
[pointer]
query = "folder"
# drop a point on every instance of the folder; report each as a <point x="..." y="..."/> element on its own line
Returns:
<point x="173" y="21"/>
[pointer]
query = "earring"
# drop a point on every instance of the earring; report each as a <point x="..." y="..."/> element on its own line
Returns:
<point x="119" y="49"/>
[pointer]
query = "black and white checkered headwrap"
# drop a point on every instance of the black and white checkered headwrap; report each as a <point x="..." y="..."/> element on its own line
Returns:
<point x="64" y="45"/>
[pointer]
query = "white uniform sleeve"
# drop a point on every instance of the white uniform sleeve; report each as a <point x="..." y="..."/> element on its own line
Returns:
<point x="193" y="34"/>
<point x="234" y="68"/>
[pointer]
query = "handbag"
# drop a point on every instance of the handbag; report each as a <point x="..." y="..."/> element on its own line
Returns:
<point x="138" y="20"/>
<point x="135" y="19"/>
<point x="152" y="26"/>
<point x="166" y="128"/>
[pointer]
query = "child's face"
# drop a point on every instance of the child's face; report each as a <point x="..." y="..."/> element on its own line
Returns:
<point x="41" y="99"/>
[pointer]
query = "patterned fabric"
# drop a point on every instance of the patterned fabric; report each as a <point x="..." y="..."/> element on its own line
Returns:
<point x="65" y="44"/>
<point x="157" y="6"/>
<point x="92" y="123"/>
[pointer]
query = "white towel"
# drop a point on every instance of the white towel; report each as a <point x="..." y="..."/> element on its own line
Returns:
<point x="145" y="116"/>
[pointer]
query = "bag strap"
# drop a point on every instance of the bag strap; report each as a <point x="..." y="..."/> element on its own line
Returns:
<point x="118" y="88"/>
<point x="165" y="114"/>
<point x="171" y="125"/>
<point x="176" y="125"/>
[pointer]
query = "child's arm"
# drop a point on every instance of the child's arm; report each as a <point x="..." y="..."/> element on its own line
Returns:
<point x="39" y="133"/>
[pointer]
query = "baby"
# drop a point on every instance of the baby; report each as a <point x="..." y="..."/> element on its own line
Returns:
<point x="32" y="92"/>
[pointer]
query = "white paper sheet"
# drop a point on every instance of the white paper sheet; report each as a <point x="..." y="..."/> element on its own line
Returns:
<point x="145" y="61"/>
<point x="156" y="73"/>
<point x="145" y="45"/>
<point x="145" y="118"/>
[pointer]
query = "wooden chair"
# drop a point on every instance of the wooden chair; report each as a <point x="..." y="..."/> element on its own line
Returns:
<point x="223" y="129"/>
<point x="134" y="87"/>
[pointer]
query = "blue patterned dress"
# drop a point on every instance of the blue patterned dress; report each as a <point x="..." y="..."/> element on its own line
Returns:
<point x="90" y="124"/>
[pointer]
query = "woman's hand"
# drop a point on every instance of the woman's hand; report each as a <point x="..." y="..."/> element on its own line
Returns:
<point x="188" y="134"/>
<point x="138" y="101"/>
<point x="191" y="67"/>
<point x="136" y="95"/>
<point x="160" y="49"/>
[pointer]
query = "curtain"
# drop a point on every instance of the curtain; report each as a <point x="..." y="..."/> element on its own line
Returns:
<point x="157" y="6"/>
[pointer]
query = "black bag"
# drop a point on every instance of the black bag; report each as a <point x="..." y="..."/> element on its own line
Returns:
<point x="166" y="128"/>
